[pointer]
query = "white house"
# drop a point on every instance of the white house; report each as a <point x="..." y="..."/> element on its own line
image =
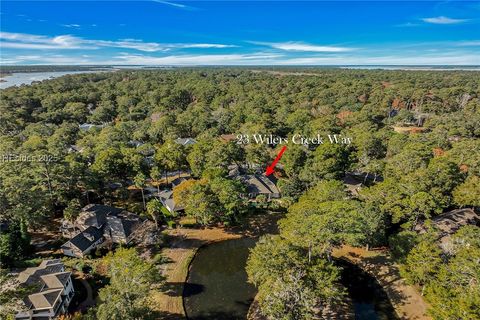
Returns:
<point x="55" y="291"/>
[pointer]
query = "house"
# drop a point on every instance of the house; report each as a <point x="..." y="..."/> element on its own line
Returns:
<point x="166" y="198"/>
<point x="74" y="149"/>
<point x="135" y="143"/>
<point x="258" y="184"/>
<point x="95" y="224"/>
<point x="449" y="222"/>
<point x="185" y="141"/>
<point x="228" y="137"/>
<point x="88" y="126"/>
<point x="175" y="182"/>
<point x="91" y="215"/>
<point x="120" y="228"/>
<point x="83" y="243"/>
<point x="54" y="294"/>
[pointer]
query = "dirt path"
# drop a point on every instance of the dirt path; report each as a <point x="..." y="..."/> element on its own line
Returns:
<point x="406" y="300"/>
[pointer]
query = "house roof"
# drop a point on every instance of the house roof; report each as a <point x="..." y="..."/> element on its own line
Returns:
<point x="135" y="143"/>
<point x="175" y="182"/>
<point x="56" y="280"/>
<point x="84" y="239"/>
<point x="45" y="299"/>
<point x="228" y="137"/>
<point x="49" y="262"/>
<point x="185" y="141"/>
<point x="74" y="148"/>
<point x="449" y="222"/>
<point x="258" y="184"/>
<point x="33" y="275"/>
<point x="166" y="198"/>
<point x="124" y="223"/>
<point x="95" y="214"/>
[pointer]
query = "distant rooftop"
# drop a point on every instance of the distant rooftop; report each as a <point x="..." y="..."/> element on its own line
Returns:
<point x="185" y="141"/>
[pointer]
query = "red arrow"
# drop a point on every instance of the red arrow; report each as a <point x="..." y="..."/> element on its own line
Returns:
<point x="270" y="168"/>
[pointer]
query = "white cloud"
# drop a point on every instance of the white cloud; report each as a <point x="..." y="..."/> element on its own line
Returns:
<point x="176" y="5"/>
<point x="40" y="42"/>
<point x="471" y="43"/>
<point x="32" y="42"/>
<point x="71" y="25"/>
<point x="443" y="20"/>
<point x="301" y="46"/>
<point x="258" y="58"/>
<point x="413" y="60"/>
<point x="173" y="4"/>
<point x="189" y="60"/>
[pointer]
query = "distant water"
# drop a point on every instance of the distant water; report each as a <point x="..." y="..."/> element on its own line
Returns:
<point x="17" y="79"/>
<point x="415" y="68"/>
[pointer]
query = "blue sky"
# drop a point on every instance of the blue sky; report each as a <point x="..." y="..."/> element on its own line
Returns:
<point x="240" y="32"/>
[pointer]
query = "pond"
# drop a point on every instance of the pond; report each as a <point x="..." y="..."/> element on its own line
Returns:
<point x="370" y="301"/>
<point x="217" y="286"/>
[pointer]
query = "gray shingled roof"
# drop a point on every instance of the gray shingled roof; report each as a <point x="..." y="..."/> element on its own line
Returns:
<point x="56" y="280"/>
<point x="449" y="222"/>
<point x="259" y="184"/>
<point x="32" y="275"/>
<point x="185" y="141"/>
<point x="166" y="198"/>
<point x="98" y="214"/>
<point x="85" y="239"/>
<point x="45" y="299"/>
<point x="123" y="224"/>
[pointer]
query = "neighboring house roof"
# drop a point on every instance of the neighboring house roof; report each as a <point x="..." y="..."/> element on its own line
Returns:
<point x="449" y="222"/>
<point x="45" y="299"/>
<point x="33" y="275"/>
<point x="259" y="184"/>
<point x="177" y="181"/>
<point x="84" y="239"/>
<point x="185" y="141"/>
<point x="52" y="280"/>
<point x="56" y="280"/>
<point x="50" y="262"/>
<point x="98" y="220"/>
<point x="123" y="224"/>
<point x="74" y="148"/>
<point x="96" y="215"/>
<point x="166" y="198"/>
<point x="228" y="137"/>
<point x="233" y="170"/>
<point x="135" y="143"/>
<point x="88" y="126"/>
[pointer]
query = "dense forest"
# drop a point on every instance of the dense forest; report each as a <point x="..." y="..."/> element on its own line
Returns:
<point x="415" y="142"/>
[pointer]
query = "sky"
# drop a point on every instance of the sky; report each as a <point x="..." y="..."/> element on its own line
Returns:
<point x="183" y="33"/>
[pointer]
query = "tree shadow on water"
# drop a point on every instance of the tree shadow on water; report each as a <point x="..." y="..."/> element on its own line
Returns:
<point x="177" y="289"/>
<point x="191" y="289"/>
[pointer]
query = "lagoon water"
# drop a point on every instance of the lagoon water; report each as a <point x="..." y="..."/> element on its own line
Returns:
<point x="17" y="79"/>
<point x="217" y="286"/>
